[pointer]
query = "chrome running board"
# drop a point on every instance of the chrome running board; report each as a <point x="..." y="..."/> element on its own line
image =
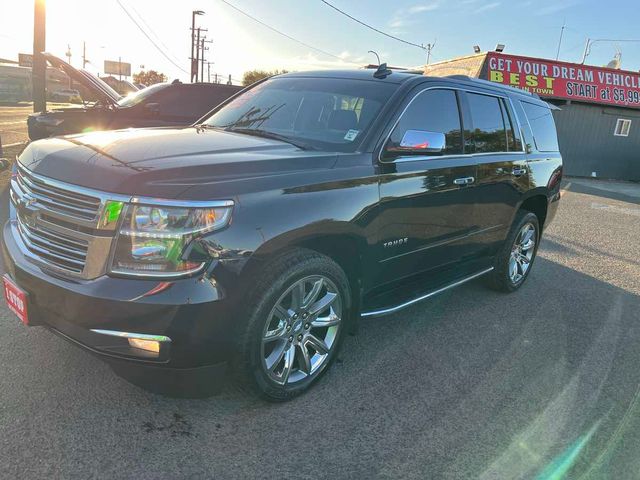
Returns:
<point x="378" y="313"/>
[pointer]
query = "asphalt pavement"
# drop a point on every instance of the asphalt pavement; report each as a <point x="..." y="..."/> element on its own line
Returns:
<point x="543" y="383"/>
<point x="13" y="123"/>
<point x="13" y="120"/>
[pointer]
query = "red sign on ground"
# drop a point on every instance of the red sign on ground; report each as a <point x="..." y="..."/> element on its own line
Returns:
<point x="569" y="81"/>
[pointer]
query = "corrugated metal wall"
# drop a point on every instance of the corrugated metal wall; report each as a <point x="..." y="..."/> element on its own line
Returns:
<point x="587" y="142"/>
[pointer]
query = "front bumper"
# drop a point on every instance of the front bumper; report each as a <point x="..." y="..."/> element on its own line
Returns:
<point x="193" y="312"/>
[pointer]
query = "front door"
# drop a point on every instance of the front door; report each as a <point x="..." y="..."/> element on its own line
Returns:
<point x="427" y="201"/>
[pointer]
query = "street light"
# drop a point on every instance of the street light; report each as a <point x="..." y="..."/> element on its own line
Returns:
<point x="590" y="42"/>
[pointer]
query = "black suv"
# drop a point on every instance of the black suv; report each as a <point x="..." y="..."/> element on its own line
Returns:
<point x="164" y="104"/>
<point x="255" y="240"/>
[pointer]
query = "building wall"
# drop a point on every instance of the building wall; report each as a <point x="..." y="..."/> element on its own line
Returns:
<point x="470" y="65"/>
<point x="588" y="144"/>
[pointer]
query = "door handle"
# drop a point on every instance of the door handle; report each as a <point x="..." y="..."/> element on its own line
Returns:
<point x="464" y="181"/>
<point x="518" y="172"/>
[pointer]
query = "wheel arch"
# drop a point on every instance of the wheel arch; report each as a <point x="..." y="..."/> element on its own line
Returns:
<point x="347" y="249"/>
<point x="538" y="204"/>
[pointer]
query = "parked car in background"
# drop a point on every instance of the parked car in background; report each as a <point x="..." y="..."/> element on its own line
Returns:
<point x="67" y="95"/>
<point x="165" y="104"/>
<point x="123" y="87"/>
<point x="257" y="238"/>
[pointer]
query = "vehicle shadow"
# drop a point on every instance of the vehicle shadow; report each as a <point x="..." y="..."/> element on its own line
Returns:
<point x="473" y="384"/>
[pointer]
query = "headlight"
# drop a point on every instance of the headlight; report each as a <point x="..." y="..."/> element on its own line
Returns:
<point x="152" y="238"/>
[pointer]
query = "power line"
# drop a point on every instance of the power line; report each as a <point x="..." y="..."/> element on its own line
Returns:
<point x="164" y="45"/>
<point x="372" y="28"/>
<point x="284" y="34"/>
<point x="149" y="38"/>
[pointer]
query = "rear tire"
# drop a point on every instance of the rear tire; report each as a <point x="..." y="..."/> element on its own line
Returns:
<point x="295" y="322"/>
<point x="514" y="261"/>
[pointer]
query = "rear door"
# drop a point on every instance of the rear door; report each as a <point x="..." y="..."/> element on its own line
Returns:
<point x="502" y="167"/>
<point x="427" y="201"/>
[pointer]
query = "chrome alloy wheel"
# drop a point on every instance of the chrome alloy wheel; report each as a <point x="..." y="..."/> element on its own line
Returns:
<point x="522" y="253"/>
<point x="301" y="330"/>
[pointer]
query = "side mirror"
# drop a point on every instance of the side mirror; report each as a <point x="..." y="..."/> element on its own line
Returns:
<point x="152" y="108"/>
<point x="419" y="142"/>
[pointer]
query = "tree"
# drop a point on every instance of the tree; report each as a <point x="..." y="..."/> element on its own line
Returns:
<point x="252" y="76"/>
<point x="150" y="77"/>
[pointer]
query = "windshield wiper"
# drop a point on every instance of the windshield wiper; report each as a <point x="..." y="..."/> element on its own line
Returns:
<point x="267" y="134"/>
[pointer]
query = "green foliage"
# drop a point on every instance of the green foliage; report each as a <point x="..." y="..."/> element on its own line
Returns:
<point x="252" y="76"/>
<point x="150" y="77"/>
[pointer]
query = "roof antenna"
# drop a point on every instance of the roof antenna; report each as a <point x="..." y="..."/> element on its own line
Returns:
<point x="376" y="54"/>
<point x="382" y="71"/>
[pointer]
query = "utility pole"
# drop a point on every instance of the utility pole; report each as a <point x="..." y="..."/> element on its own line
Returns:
<point x="429" y="48"/>
<point x="209" y="72"/>
<point x="84" y="55"/>
<point x="39" y="68"/>
<point x="202" y="59"/>
<point x="120" y="68"/>
<point x="194" y="45"/>
<point x="203" y="48"/>
<point x="68" y="54"/>
<point x="197" y="54"/>
<point x="229" y="81"/>
<point x="564" y="24"/>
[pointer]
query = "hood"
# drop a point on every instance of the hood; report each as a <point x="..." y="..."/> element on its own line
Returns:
<point x="103" y="91"/>
<point x="165" y="162"/>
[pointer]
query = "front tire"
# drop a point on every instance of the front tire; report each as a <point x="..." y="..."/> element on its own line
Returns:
<point x="296" y="319"/>
<point x="515" y="259"/>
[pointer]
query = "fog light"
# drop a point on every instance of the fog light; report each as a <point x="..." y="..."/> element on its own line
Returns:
<point x="141" y="341"/>
<point x="148" y="345"/>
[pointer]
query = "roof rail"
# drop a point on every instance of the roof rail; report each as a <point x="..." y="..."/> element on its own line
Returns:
<point x="493" y="84"/>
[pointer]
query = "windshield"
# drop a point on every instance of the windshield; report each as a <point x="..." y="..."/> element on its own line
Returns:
<point x="326" y="113"/>
<point x="141" y="95"/>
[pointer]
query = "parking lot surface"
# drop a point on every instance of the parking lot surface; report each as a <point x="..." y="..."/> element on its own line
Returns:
<point x="472" y="384"/>
<point x="13" y="123"/>
<point x="13" y="120"/>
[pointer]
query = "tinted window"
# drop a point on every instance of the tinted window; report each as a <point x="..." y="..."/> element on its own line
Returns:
<point x="190" y="102"/>
<point x="322" y="113"/>
<point x="514" y="142"/>
<point x="543" y="127"/>
<point x="489" y="130"/>
<point x="142" y="95"/>
<point x="432" y="111"/>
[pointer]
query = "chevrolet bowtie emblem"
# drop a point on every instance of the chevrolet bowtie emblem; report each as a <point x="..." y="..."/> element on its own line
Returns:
<point x="27" y="202"/>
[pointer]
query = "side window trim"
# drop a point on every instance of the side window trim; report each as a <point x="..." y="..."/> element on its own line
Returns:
<point x="511" y="111"/>
<point x="510" y="127"/>
<point x="395" y="124"/>
<point x="500" y="99"/>
<point x="459" y="92"/>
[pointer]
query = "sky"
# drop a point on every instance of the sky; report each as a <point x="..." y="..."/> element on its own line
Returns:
<point x="526" y="27"/>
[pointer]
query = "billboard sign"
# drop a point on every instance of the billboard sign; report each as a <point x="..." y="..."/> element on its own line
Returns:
<point x="117" y="68"/>
<point x="568" y="81"/>
<point x="25" y="60"/>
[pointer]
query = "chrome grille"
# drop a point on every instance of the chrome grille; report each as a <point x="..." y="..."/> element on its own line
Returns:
<point x="56" y="199"/>
<point x="63" y="251"/>
<point x="57" y="224"/>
